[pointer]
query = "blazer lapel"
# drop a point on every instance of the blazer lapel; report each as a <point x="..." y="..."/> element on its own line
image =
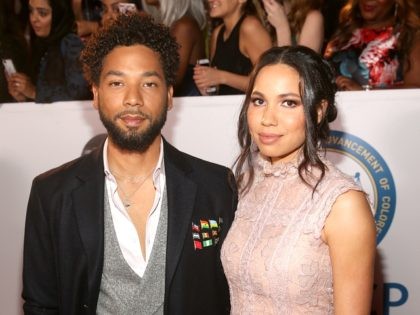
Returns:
<point x="181" y="193"/>
<point x="88" y="203"/>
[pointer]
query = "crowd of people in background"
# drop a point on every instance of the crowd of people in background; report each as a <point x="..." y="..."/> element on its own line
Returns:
<point x="372" y="44"/>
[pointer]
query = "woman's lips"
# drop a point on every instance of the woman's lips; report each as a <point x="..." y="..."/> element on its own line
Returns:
<point x="268" y="138"/>
<point x="368" y="8"/>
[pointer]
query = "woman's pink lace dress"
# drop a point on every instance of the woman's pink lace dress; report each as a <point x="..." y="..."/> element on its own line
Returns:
<point x="274" y="258"/>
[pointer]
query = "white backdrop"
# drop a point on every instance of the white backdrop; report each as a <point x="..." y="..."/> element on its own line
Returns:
<point x="375" y="130"/>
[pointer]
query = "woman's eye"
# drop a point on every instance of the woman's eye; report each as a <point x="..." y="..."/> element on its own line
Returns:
<point x="43" y="13"/>
<point x="289" y="103"/>
<point x="257" y="101"/>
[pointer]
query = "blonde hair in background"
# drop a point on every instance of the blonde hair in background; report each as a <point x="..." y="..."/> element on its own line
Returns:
<point x="172" y="10"/>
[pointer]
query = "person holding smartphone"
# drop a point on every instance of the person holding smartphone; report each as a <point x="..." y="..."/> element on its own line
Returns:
<point x="235" y="46"/>
<point x="55" y="50"/>
<point x="13" y="49"/>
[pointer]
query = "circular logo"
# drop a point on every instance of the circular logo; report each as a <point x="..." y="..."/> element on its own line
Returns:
<point x="360" y="160"/>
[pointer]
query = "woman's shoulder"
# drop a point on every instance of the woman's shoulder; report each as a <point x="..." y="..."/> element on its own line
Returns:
<point x="250" y="23"/>
<point x="253" y="31"/>
<point x="335" y="178"/>
<point x="315" y="14"/>
<point x="314" y="17"/>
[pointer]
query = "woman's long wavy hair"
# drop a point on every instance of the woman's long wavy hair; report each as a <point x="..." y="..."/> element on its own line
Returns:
<point x="299" y="9"/>
<point x="407" y="20"/>
<point x="317" y="88"/>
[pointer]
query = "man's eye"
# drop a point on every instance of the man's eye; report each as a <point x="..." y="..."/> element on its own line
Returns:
<point x="150" y="84"/>
<point x="115" y="83"/>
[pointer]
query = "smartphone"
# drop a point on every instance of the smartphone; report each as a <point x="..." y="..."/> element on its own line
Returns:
<point x="212" y="90"/>
<point x="125" y="7"/>
<point x="203" y="62"/>
<point x="9" y="67"/>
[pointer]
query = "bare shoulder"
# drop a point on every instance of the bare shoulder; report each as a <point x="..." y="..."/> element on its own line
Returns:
<point x="352" y="203"/>
<point x="251" y="25"/>
<point x="254" y="38"/>
<point x="350" y="215"/>
<point x="315" y="16"/>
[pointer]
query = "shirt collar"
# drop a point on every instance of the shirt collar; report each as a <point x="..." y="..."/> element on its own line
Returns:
<point x="159" y="169"/>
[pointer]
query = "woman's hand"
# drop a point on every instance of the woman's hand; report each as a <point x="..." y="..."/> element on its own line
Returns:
<point x="347" y="84"/>
<point x="20" y="87"/>
<point x="206" y="77"/>
<point x="276" y="14"/>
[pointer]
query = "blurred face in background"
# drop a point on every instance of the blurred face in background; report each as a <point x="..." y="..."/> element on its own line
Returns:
<point x="376" y="11"/>
<point x="110" y="10"/>
<point x="40" y="17"/>
<point x="224" y="8"/>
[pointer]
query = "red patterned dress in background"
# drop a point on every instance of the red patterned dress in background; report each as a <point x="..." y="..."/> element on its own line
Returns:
<point x="370" y="57"/>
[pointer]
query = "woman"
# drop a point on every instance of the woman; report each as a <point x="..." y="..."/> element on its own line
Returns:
<point x="303" y="238"/>
<point x="296" y="22"/>
<point x="12" y="46"/>
<point x="55" y="53"/>
<point x="377" y="45"/>
<point x="186" y="20"/>
<point x="235" y="46"/>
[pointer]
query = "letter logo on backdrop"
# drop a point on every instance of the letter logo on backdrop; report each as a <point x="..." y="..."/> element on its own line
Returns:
<point x="359" y="159"/>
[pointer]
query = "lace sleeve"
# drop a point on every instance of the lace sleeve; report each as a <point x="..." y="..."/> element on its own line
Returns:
<point x="333" y="188"/>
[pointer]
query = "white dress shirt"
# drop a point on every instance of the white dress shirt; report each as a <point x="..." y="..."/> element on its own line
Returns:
<point x="124" y="228"/>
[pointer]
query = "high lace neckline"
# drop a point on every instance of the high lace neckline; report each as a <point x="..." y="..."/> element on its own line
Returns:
<point x="264" y="168"/>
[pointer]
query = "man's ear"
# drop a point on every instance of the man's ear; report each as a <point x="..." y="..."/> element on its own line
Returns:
<point x="95" y="96"/>
<point x="170" y="97"/>
<point x="321" y="110"/>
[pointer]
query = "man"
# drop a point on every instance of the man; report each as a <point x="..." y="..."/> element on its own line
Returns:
<point x="136" y="226"/>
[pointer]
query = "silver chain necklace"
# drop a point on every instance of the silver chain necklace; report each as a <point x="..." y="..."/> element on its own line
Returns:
<point x="126" y="198"/>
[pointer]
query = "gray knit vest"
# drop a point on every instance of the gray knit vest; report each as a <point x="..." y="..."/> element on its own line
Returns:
<point x="122" y="291"/>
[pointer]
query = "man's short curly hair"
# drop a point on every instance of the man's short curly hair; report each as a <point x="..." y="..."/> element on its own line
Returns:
<point x="129" y="30"/>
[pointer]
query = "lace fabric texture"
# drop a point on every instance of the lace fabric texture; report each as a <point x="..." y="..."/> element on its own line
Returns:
<point x="274" y="258"/>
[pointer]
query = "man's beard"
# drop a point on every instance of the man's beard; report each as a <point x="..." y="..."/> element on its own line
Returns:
<point x="134" y="140"/>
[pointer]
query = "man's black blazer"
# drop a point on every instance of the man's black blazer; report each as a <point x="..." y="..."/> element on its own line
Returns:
<point x="64" y="236"/>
